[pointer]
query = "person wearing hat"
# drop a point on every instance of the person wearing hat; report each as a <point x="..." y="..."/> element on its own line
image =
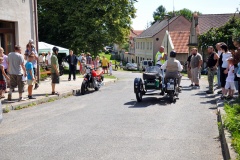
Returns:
<point x="212" y="67"/>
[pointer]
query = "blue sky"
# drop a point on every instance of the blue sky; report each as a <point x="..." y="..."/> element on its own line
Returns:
<point x="145" y="8"/>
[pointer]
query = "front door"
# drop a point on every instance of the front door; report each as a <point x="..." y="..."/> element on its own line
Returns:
<point x="7" y="36"/>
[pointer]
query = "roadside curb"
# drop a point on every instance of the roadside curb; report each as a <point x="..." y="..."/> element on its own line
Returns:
<point x="50" y="98"/>
<point x="225" y="136"/>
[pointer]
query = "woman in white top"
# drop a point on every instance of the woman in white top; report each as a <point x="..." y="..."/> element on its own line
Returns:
<point x="224" y="69"/>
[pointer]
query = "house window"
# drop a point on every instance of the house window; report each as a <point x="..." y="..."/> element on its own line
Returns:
<point x="150" y="45"/>
<point x="147" y="45"/>
<point x="143" y="45"/>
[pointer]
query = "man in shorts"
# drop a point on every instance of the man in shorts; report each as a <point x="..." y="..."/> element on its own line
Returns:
<point x="54" y="70"/>
<point x="15" y="66"/>
<point x="105" y="64"/>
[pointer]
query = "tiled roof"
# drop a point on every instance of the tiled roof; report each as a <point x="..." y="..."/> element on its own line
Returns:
<point x="156" y="27"/>
<point x="180" y="40"/>
<point x="208" y="21"/>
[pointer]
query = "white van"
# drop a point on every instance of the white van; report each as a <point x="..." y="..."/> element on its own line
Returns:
<point x="144" y="64"/>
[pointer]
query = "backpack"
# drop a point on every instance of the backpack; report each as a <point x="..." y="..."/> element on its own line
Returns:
<point x="238" y="70"/>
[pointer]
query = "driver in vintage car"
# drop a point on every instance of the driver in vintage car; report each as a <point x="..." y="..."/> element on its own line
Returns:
<point x="173" y="67"/>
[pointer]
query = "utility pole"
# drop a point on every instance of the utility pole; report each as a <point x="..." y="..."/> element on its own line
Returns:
<point x="36" y="36"/>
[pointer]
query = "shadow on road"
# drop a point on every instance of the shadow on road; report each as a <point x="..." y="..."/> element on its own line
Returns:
<point x="148" y="101"/>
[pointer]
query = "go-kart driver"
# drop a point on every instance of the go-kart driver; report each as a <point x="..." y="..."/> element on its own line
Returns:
<point x="173" y="67"/>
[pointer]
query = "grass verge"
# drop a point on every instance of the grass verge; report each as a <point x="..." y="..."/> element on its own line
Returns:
<point x="232" y="123"/>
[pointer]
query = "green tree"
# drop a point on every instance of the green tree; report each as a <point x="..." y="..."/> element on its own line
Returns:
<point x="85" y="25"/>
<point x="161" y="11"/>
<point x="158" y="15"/>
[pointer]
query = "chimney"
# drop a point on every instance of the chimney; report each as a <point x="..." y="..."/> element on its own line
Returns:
<point x="195" y="17"/>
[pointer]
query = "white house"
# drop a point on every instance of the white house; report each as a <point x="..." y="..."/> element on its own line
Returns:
<point x="148" y="43"/>
<point x="16" y="23"/>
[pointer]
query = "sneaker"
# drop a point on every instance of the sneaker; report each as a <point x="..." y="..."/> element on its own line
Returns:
<point x="209" y="92"/>
<point x="9" y="97"/>
<point x="21" y="99"/>
<point x="31" y="97"/>
<point x="191" y="85"/>
<point x="69" y="79"/>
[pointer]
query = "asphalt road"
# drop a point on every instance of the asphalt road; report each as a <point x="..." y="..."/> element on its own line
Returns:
<point x="110" y="124"/>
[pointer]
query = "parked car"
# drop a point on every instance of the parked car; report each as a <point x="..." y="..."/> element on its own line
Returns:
<point x="144" y="64"/>
<point x="131" y="66"/>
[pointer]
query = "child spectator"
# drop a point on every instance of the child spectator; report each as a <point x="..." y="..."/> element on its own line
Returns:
<point x="230" y="80"/>
<point x="110" y="68"/>
<point x="3" y="77"/>
<point x="30" y="75"/>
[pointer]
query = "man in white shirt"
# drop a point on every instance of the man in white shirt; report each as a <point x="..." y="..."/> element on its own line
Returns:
<point x="48" y="58"/>
<point x="42" y="58"/>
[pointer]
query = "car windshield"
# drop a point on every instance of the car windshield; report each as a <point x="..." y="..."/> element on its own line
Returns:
<point x="153" y="69"/>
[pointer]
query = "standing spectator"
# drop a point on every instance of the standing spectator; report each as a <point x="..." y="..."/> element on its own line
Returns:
<point x="48" y="58"/>
<point x="224" y="71"/>
<point x="160" y="57"/>
<point x="212" y="67"/>
<point x="236" y="61"/>
<point x="195" y="64"/>
<point x="219" y="52"/>
<point x="72" y="62"/>
<point x="42" y="59"/>
<point x="83" y="63"/>
<point x="229" y="86"/>
<point x="110" y="68"/>
<point x="3" y="79"/>
<point x="96" y="62"/>
<point x="189" y="69"/>
<point x="30" y="75"/>
<point x="29" y="50"/>
<point x="15" y="65"/>
<point x="4" y="63"/>
<point x="54" y="70"/>
<point x="89" y="59"/>
<point x="105" y="64"/>
<point x="79" y="62"/>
